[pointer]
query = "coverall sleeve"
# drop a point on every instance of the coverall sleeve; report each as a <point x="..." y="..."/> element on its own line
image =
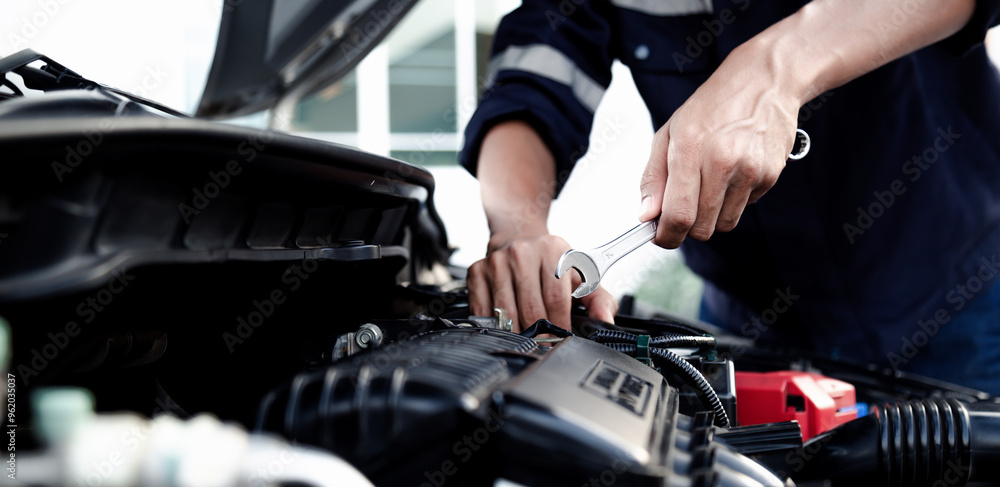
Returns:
<point x="985" y="16"/>
<point x="550" y="65"/>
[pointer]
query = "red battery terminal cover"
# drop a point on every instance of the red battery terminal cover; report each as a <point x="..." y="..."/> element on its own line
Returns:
<point x="817" y="402"/>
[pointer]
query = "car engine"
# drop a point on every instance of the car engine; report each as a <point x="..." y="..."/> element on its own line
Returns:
<point x="189" y="303"/>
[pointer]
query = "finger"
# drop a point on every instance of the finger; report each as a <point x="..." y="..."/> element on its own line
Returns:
<point x="767" y="182"/>
<point x="712" y="196"/>
<point x="502" y="287"/>
<point x="680" y="205"/>
<point x="654" y="177"/>
<point x="477" y="281"/>
<point x="525" y="263"/>
<point x="601" y="305"/>
<point x="556" y="294"/>
<point x="737" y="199"/>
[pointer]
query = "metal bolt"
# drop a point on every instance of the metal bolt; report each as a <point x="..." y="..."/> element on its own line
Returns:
<point x="503" y="322"/>
<point x="368" y="335"/>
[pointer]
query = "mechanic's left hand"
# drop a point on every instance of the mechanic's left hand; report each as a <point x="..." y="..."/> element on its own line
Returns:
<point x="721" y="150"/>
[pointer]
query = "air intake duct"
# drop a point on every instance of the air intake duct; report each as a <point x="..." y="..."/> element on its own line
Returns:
<point x="919" y="443"/>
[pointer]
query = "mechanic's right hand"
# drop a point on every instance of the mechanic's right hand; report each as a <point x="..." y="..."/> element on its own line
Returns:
<point x="519" y="276"/>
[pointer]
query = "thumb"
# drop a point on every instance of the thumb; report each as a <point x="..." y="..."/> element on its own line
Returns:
<point x="601" y="305"/>
<point x="654" y="177"/>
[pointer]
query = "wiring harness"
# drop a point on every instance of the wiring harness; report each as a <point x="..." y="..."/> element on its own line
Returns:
<point x="657" y="350"/>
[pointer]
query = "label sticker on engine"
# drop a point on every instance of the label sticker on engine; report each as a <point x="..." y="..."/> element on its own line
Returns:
<point x="618" y="386"/>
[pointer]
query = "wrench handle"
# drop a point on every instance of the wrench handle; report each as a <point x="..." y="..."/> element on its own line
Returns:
<point x="610" y="252"/>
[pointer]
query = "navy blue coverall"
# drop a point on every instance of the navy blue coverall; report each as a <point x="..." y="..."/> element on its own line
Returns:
<point x="882" y="245"/>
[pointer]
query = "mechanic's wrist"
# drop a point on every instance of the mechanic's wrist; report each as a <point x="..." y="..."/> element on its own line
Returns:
<point x="801" y="64"/>
<point x="780" y="65"/>
<point x="502" y="239"/>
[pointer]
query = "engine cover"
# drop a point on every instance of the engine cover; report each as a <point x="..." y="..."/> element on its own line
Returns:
<point x="467" y="406"/>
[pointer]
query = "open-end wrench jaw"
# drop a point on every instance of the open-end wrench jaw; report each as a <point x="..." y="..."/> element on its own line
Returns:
<point x="593" y="263"/>
<point x="589" y="273"/>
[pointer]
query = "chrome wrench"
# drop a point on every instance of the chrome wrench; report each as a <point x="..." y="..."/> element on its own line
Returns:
<point x="593" y="263"/>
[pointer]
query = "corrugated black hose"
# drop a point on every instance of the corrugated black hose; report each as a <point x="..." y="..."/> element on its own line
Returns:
<point x="665" y="341"/>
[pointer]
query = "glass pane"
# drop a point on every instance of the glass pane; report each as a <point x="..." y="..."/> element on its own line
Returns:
<point x="426" y="158"/>
<point x="422" y="86"/>
<point x="332" y="109"/>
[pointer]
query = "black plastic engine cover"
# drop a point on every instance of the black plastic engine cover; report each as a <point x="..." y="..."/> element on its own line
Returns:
<point x="466" y="406"/>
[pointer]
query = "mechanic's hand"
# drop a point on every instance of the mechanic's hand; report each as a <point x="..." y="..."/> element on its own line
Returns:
<point x="721" y="150"/>
<point x="519" y="276"/>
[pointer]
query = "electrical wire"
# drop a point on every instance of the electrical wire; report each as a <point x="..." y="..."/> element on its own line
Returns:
<point x="663" y="357"/>
<point x="626" y="343"/>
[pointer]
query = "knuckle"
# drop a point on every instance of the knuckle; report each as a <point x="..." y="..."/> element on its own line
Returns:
<point x="496" y="259"/>
<point x="555" y="246"/>
<point x="700" y="232"/>
<point x="727" y="223"/>
<point x="680" y="220"/>
<point x="728" y="160"/>
<point x="753" y="173"/>
<point x="554" y="298"/>
<point x="768" y="179"/>
<point x="532" y="312"/>
<point x="519" y="250"/>
<point x="670" y="242"/>
<point x="475" y="269"/>
<point x="687" y="135"/>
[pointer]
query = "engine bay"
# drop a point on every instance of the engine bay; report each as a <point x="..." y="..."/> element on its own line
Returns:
<point x="198" y="304"/>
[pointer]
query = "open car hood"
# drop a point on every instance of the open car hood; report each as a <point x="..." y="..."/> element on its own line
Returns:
<point x="272" y="50"/>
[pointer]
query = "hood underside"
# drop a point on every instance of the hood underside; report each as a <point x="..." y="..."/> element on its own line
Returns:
<point x="271" y="50"/>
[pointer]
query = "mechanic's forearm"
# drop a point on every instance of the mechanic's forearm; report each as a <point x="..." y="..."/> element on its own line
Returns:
<point x="517" y="174"/>
<point x="830" y="42"/>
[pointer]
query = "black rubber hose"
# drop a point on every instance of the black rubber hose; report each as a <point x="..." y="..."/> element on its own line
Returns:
<point x="664" y="357"/>
<point x="918" y="443"/>
<point x="545" y="326"/>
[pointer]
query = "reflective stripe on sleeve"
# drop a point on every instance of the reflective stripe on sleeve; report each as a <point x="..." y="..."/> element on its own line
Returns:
<point x="549" y="62"/>
<point x="666" y="7"/>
